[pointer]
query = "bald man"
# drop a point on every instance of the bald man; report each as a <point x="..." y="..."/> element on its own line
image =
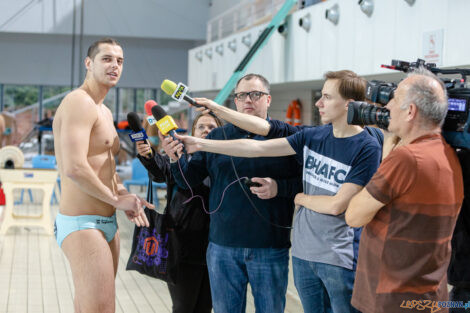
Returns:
<point x="409" y="207"/>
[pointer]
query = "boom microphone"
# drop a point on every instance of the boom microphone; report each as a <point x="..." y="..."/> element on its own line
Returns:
<point x="138" y="133"/>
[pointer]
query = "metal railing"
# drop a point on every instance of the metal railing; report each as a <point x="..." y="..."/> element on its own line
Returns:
<point x="246" y="14"/>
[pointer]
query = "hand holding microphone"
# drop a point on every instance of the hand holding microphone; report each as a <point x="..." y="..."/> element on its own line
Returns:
<point x="165" y="124"/>
<point x="138" y="134"/>
<point x="144" y="149"/>
<point x="179" y="93"/>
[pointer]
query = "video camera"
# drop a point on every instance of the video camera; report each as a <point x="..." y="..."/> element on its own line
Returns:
<point x="456" y="125"/>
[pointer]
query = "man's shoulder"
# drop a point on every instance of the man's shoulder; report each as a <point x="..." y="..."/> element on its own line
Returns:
<point x="282" y="129"/>
<point x="78" y="99"/>
<point x="367" y="138"/>
<point x="321" y="130"/>
<point x="402" y="155"/>
<point x="77" y="105"/>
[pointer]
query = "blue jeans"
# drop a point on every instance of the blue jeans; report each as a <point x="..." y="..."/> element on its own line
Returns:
<point x="323" y="288"/>
<point x="231" y="269"/>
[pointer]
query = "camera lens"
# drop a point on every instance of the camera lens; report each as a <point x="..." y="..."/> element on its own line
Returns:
<point x="386" y="94"/>
<point x="363" y="113"/>
<point x="379" y="91"/>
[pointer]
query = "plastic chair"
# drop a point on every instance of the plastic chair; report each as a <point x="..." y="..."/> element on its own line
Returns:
<point x="44" y="162"/>
<point x="140" y="178"/>
<point x="139" y="175"/>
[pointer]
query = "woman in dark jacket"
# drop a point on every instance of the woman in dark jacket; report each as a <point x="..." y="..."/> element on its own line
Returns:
<point x="191" y="293"/>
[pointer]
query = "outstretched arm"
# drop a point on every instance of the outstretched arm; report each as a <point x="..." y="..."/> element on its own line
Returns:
<point x="248" y="148"/>
<point x="253" y="124"/>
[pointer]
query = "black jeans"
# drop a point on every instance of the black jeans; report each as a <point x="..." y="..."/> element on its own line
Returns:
<point x="192" y="293"/>
<point x="459" y="294"/>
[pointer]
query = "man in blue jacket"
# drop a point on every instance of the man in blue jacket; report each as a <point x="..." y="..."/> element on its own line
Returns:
<point x="338" y="160"/>
<point x="249" y="236"/>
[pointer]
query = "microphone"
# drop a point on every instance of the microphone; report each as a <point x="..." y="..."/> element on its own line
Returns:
<point x="165" y="123"/>
<point x="177" y="92"/>
<point x="148" y="109"/>
<point x="138" y="133"/>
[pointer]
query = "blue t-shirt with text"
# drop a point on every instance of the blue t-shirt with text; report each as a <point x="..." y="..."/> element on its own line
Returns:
<point x="329" y="162"/>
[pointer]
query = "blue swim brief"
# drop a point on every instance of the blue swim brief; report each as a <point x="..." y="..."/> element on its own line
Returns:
<point x="65" y="225"/>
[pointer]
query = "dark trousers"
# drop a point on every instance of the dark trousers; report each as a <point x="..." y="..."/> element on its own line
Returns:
<point x="460" y="294"/>
<point x="192" y="293"/>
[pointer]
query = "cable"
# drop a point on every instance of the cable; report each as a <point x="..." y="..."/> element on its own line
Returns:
<point x="200" y="197"/>
<point x="223" y="194"/>
<point x="248" y="196"/>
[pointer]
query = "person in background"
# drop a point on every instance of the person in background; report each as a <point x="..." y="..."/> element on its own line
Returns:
<point x="10" y="128"/>
<point x="191" y="293"/>
<point x="2" y="129"/>
<point x="409" y="207"/>
<point x="459" y="268"/>
<point x="338" y="160"/>
<point x="247" y="244"/>
<point x="152" y="133"/>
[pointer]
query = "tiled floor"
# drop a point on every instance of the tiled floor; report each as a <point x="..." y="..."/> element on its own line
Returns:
<point x="35" y="276"/>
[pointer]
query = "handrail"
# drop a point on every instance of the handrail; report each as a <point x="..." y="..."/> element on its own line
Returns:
<point x="244" y="15"/>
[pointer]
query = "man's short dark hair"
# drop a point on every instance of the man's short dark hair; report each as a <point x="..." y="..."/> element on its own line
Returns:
<point x="94" y="49"/>
<point x="351" y="86"/>
<point x="258" y="76"/>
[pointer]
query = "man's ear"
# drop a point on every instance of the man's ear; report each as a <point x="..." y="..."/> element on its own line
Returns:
<point x="412" y="112"/>
<point x="87" y="63"/>
<point x="269" y="100"/>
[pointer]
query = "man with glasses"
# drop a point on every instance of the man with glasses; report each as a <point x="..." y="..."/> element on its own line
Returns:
<point x="247" y="244"/>
<point x="338" y="160"/>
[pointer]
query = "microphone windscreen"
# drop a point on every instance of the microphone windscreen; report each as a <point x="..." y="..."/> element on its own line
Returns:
<point x="134" y="122"/>
<point x="158" y="112"/>
<point x="149" y="105"/>
<point x="168" y="87"/>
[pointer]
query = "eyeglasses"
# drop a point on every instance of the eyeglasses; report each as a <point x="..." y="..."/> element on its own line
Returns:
<point x="254" y="95"/>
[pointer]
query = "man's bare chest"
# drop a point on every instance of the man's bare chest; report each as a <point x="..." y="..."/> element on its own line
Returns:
<point x="103" y="137"/>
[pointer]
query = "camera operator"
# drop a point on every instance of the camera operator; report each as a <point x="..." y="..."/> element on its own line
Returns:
<point x="410" y="205"/>
<point x="459" y="269"/>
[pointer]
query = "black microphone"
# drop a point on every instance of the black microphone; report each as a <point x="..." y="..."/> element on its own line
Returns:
<point x="138" y="133"/>
<point x="165" y="123"/>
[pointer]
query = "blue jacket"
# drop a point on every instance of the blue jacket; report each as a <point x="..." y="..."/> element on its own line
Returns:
<point x="237" y="223"/>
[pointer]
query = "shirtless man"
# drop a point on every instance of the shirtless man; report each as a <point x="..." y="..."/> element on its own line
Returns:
<point x="85" y="144"/>
<point x="2" y="129"/>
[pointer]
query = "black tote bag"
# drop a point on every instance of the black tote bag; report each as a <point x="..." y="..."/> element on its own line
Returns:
<point x="154" y="248"/>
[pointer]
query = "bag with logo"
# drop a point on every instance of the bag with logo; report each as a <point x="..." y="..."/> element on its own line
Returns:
<point x="154" y="248"/>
